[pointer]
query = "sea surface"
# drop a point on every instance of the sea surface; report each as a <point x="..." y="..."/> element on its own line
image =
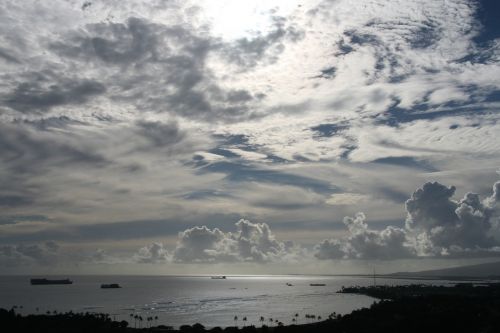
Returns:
<point x="179" y="300"/>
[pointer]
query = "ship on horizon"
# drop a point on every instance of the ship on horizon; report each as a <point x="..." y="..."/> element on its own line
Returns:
<point x="110" y="286"/>
<point x="218" y="277"/>
<point x="47" y="281"/>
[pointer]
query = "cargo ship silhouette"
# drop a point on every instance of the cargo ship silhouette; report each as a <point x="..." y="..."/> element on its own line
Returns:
<point x="47" y="281"/>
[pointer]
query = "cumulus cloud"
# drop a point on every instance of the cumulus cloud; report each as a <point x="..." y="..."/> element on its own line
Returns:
<point x="448" y="225"/>
<point x="436" y="225"/>
<point x="364" y="243"/>
<point x="252" y="242"/>
<point x="151" y="254"/>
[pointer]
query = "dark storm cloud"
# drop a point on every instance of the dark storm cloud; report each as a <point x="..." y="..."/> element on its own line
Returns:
<point x="43" y="91"/>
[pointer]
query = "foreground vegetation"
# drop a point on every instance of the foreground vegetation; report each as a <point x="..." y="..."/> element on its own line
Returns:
<point x="414" y="308"/>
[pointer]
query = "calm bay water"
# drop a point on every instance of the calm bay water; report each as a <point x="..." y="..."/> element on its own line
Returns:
<point x="187" y="300"/>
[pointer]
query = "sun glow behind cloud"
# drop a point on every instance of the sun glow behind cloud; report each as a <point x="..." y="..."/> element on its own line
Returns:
<point x="234" y="19"/>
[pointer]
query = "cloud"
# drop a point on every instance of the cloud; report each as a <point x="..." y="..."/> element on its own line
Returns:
<point x="249" y="52"/>
<point x="45" y="254"/>
<point x="120" y="111"/>
<point x="446" y="225"/>
<point x="152" y="254"/>
<point x="43" y="91"/>
<point x="436" y="226"/>
<point x="252" y="242"/>
<point x="167" y="70"/>
<point x="160" y="134"/>
<point x="363" y="243"/>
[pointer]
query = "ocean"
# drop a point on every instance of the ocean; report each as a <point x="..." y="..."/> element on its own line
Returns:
<point x="179" y="300"/>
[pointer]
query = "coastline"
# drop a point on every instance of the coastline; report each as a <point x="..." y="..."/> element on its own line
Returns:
<point x="465" y="307"/>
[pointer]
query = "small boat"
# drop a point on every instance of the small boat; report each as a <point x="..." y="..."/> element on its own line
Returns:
<point x="110" y="286"/>
<point x="289" y="284"/>
<point x="37" y="282"/>
<point x="218" y="277"/>
<point x="317" y="284"/>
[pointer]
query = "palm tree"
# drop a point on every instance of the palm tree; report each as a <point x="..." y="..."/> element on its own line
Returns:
<point x="297" y="317"/>
<point x="261" y="320"/>
<point x="236" y="320"/>
<point x="140" y="321"/>
<point x="319" y="317"/>
<point x="244" y="321"/>
<point x="156" y="320"/>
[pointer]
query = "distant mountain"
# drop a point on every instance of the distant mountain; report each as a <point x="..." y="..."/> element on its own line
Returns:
<point x="480" y="270"/>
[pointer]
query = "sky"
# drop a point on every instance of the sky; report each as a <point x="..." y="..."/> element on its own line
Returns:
<point x="248" y="137"/>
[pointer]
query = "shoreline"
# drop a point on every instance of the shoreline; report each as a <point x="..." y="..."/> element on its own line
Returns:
<point x="427" y="308"/>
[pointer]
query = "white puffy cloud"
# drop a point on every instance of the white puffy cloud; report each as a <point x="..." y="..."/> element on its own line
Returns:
<point x="154" y="253"/>
<point x="436" y="225"/>
<point x="364" y="243"/>
<point x="448" y="225"/>
<point x="252" y="242"/>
